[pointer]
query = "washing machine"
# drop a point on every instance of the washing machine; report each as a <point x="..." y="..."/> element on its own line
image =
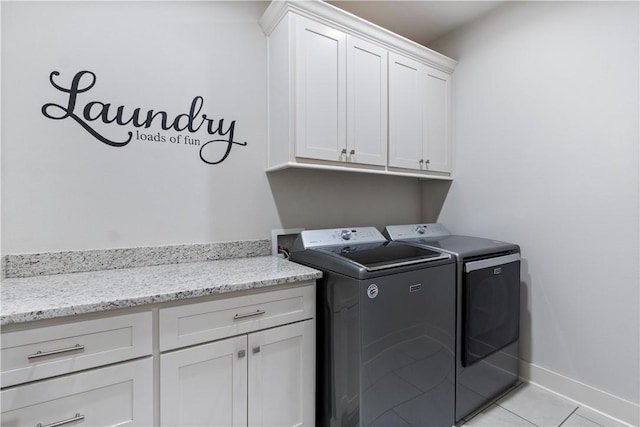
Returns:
<point x="385" y="329"/>
<point x="487" y="310"/>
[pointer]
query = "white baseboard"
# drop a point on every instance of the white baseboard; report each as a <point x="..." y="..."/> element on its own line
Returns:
<point x="583" y="394"/>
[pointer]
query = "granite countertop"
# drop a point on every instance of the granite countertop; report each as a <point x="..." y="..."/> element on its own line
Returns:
<point x="46" y="297"/>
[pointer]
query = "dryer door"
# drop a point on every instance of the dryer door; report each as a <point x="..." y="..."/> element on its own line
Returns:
<point x="490" y="306"/>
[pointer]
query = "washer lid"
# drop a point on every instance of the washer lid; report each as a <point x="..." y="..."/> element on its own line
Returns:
<point x="380" y="256"/>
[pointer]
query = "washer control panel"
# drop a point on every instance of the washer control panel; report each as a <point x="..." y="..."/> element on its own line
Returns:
<point x="415" y="231"/>
<point x="340" y="236"/>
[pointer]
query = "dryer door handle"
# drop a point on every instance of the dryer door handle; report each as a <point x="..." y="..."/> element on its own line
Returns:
<point x="490" y="262"/>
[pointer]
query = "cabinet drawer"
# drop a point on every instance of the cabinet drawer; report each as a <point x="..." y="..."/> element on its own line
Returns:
<point x="197" y="323"/>
<point x="39" y="353"/>
<point x="117" y="395"/>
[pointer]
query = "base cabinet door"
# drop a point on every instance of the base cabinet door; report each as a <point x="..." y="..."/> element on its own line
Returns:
<point x="282" y="376"/>
<point x="265" y="378"/>
<point x="117" y="395"/>
<point x="205" y="385"/>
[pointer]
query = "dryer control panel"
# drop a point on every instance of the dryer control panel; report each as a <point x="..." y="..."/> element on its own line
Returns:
<point x="340" y="236"/>
<point x="415" y="231"/>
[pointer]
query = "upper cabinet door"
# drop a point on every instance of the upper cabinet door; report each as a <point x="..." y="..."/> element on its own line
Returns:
<point x="366" y="102"/>
<point x="419" y="116"/>
<point x="406" y="99"/>
<point x="320" y="91"/>
<point x="347" y="95"/>
<point x="437" y="122"/>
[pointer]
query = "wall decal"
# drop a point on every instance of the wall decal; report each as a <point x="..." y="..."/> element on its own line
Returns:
<point x="106" y="113"/>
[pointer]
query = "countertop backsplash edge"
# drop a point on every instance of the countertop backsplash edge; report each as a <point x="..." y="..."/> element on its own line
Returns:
<point x="47" y="263"/>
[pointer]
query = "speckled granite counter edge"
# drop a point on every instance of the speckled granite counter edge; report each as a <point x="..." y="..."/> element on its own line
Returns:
<point x="49" y="297"/>
<point x="31" y="316"/>
<point x="39" y="264"/>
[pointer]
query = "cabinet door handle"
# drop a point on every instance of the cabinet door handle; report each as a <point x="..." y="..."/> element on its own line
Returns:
<point x="77" y="347"/>
<point x="78" y="417"/>
<point x="256" y="349"/>
<point x="245" y="315"/>
<point x="241" y="354"/>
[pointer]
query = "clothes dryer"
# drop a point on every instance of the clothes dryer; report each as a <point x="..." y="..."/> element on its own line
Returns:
<point x="487" y="310"/>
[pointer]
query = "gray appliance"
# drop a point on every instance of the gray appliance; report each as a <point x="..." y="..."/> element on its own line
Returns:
<point x="487" y="310"/>
<point x="385" y="329"/>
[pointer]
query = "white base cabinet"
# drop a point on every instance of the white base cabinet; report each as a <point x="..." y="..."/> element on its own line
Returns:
<point x="264" y="378"/>
<point x="38" y="353"/>
<point x="236" y="360"/>
<point x="118" y="395"/>
<point x="240" y="361"/>
<point x="282" y="376"/>
<point x="205" y="385"/>
<point x="96" y="372"/>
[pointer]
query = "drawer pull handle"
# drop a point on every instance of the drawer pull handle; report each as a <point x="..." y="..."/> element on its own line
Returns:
<point x="78" y="417"/>
<point x="253" y="313"/>
<point x="77" y="347"/>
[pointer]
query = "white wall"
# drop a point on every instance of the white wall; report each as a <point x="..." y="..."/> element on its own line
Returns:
<point x="546" y="113"/>
<point x="63" y="189"/>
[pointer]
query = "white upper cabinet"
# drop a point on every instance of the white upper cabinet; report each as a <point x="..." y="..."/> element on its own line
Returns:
<point x="419" y="116"/>
<point x="337" y="101"/>
<point x="405" y="112"/>
<point x="340" y="89"/>
<point x="320" y="90"/>
<point x="366" y="102"/>
<point x="437" y="122"/>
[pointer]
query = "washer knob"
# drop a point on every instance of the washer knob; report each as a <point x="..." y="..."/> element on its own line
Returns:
<point x="421" y="229"/>
<point x="345" y="234"/>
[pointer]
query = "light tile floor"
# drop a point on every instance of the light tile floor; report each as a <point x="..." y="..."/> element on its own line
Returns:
<point x="529" y="405"/>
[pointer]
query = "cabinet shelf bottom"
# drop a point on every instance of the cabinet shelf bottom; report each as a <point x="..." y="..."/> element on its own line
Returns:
<point x="420" y="175"/>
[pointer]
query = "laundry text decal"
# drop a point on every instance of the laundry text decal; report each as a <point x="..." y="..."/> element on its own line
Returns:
<point x="220" y="134"/>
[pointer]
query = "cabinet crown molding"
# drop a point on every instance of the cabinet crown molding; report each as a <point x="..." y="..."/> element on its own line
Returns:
<point x="351" y="24"/>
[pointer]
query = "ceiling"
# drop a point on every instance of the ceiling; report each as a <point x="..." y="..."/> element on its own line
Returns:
<point x="422" y="21"/>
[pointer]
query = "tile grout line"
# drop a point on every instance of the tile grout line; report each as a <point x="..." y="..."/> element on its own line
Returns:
<point x="569" y="416"/>
<point x="492" y="402"/>
<point x="522" y="418"/>
<point x="586" y="417"/>
<point x="508" y="393"/>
